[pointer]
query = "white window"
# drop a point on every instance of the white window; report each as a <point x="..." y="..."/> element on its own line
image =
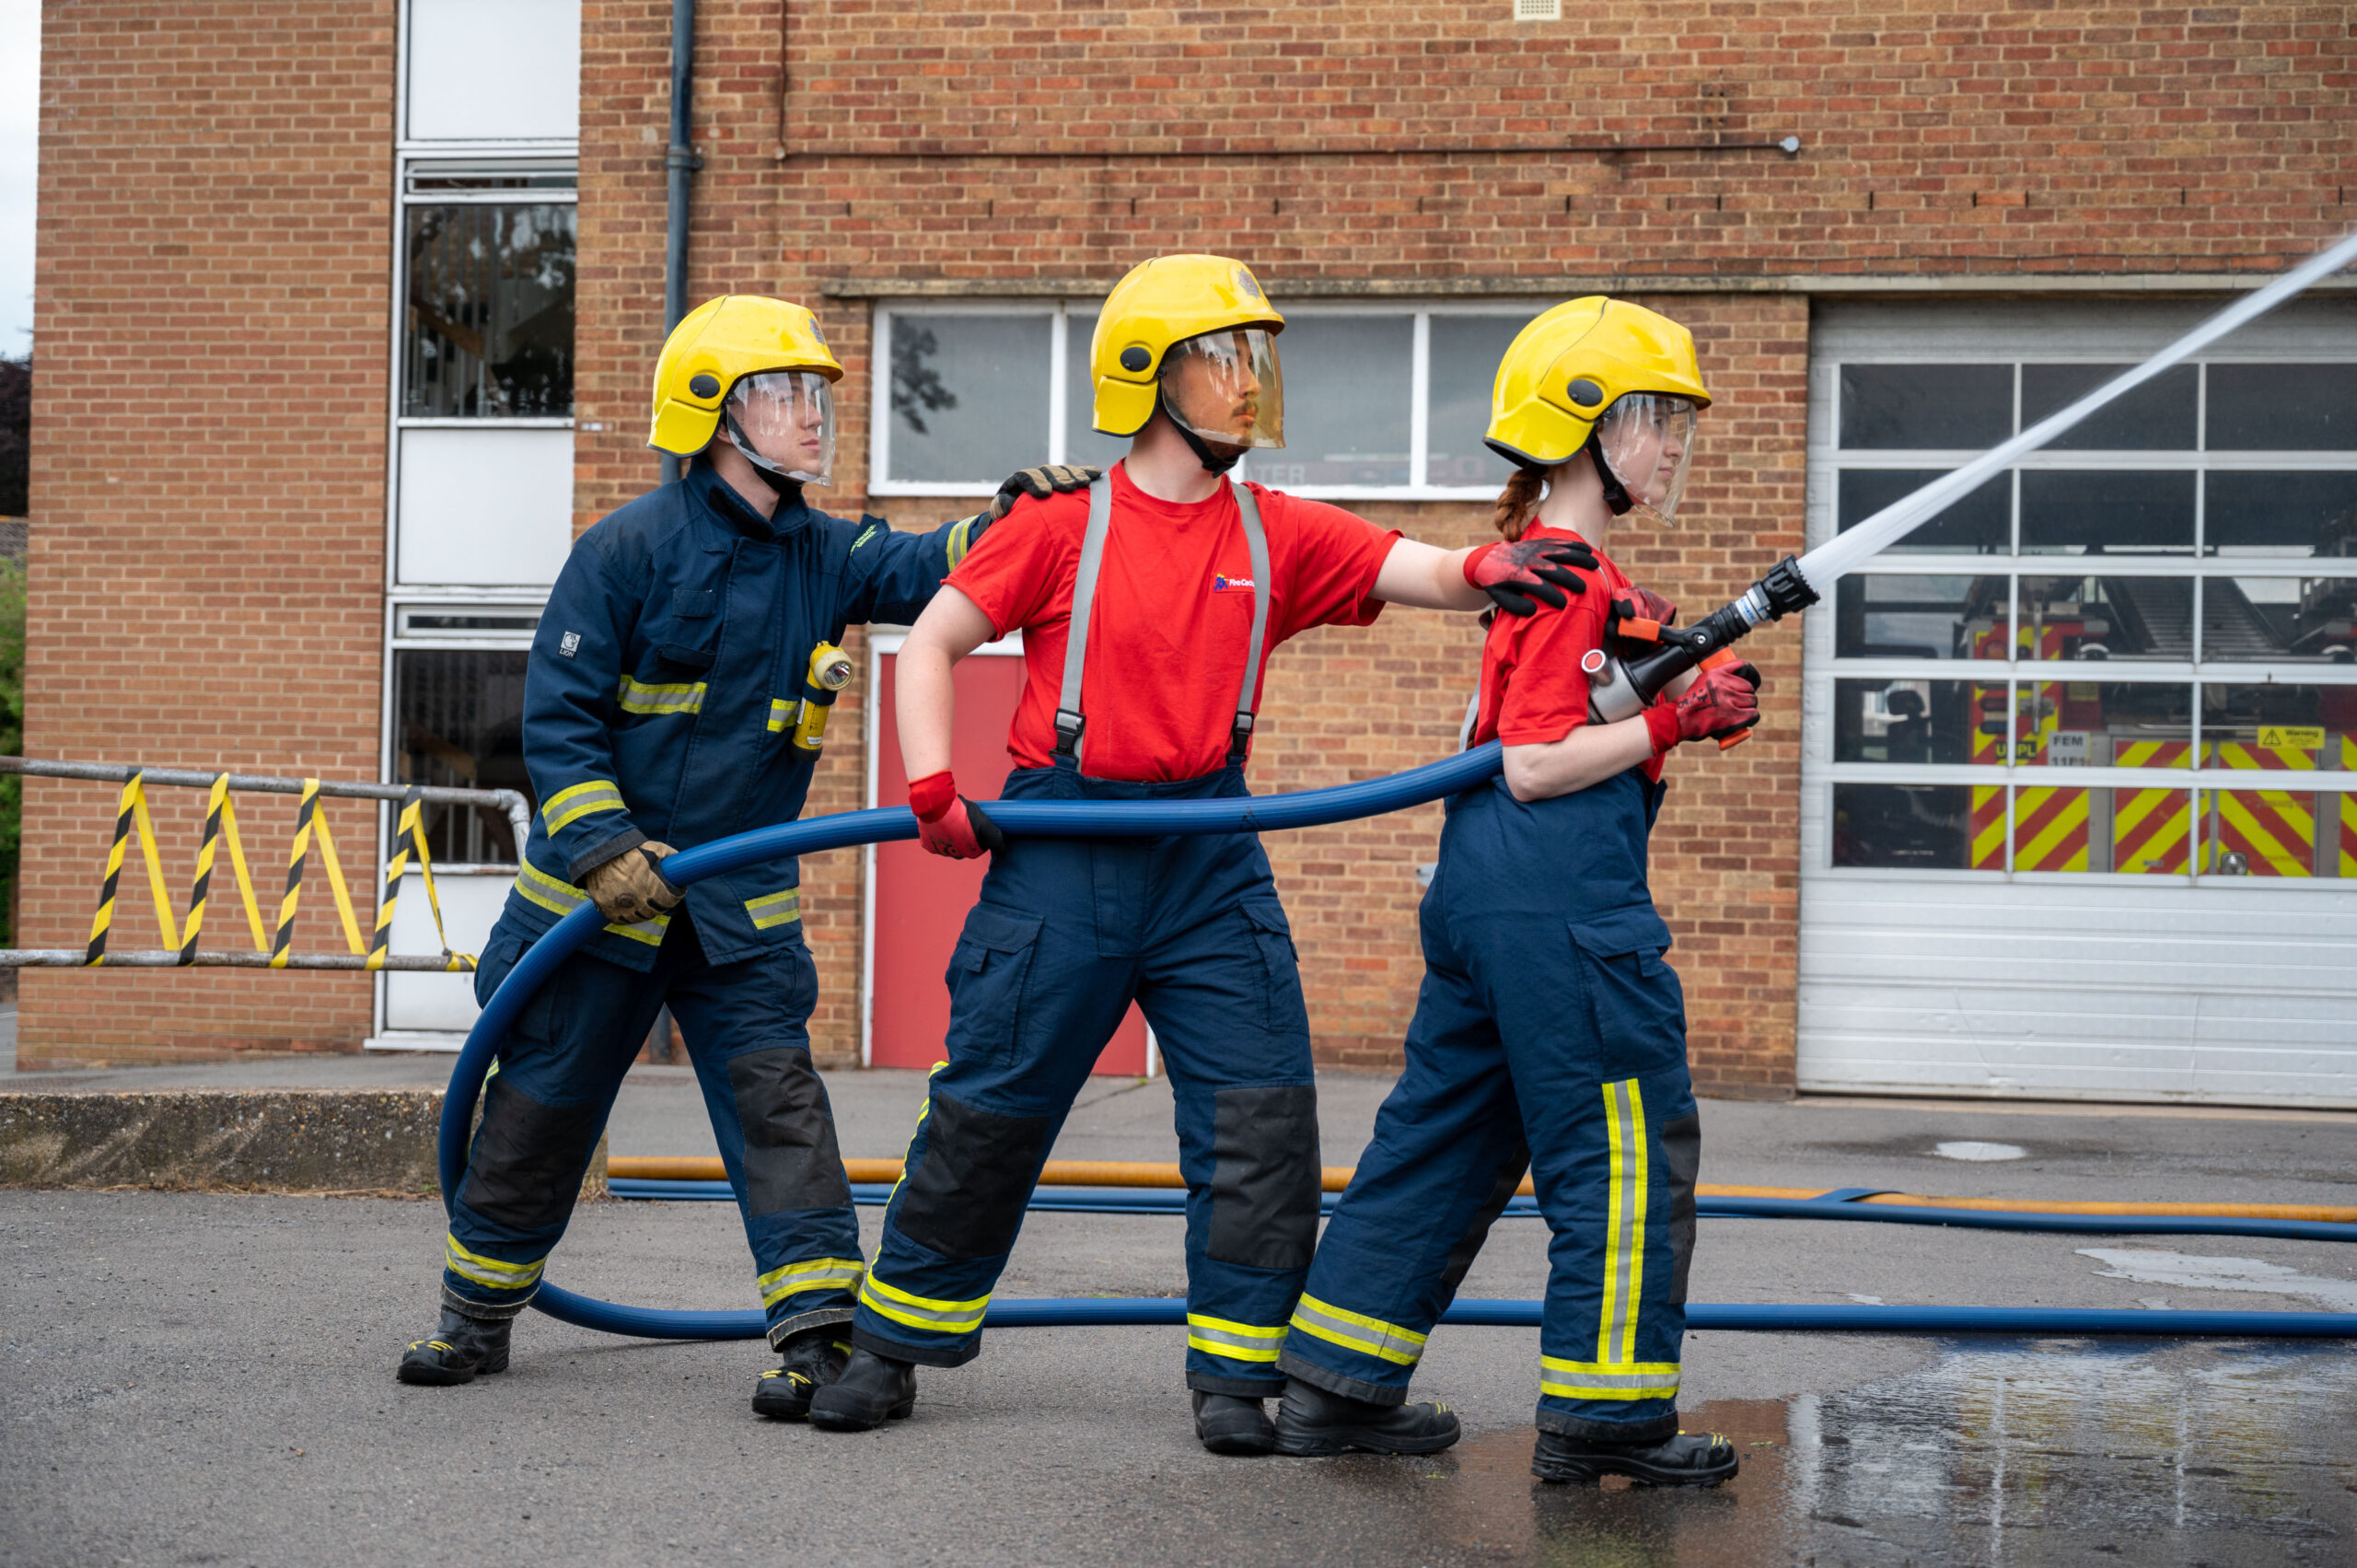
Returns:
<point x="492" y="71"/>
<point x="1381" y="401"/>
<point x="2081" y="751"/>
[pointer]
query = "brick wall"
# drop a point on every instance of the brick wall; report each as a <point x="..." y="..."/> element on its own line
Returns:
<point x="208" y="488"/>
<point x="1010" y="147"/>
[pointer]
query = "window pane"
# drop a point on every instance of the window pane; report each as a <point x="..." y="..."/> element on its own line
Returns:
<point x="2107" y="618"/>
<point x="970" y="397"/>
<point x="2272" y="832"/>
<point x="458" y="719"/>
<point x="2157" y="416"/>
<point x="2088" y="723"/>
<point x="2278" y="726"/>
<point x="489" y="328"/>
<point x="1903" y="721"/>
<point x="1886" y="616"/>
<point x="1465" y="354"/>
<point x="2079" y="514"/>
<point x="1976" y="525"/>
<point x="2279" y="618"/>
<point x="2283" y="407"/>
<point x="1926" y="406"/>
<point x="2280" y="514"/>
<point x="1346" y="402"/>
<point x="2280" y="735"/>
<point x="2136" y="832"/>
<point x="1082" y="443"/>
<point x="1915" y="826"/>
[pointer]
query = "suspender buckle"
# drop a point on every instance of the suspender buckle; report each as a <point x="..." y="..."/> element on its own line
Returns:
<point x="1239" y="739"/>
<point x="1068" y="727"/>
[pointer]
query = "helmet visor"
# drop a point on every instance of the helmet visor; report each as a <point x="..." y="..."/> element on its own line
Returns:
<point x="1226" y="387"/>
<point x="1647" y="438"/>
<point x="784" y="420"/>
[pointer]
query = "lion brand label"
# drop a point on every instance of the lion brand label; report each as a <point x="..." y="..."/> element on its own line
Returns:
<point x="569" y="644"/>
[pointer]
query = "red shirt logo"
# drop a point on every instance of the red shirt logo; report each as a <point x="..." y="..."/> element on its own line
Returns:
<point x="1223" y="585"/>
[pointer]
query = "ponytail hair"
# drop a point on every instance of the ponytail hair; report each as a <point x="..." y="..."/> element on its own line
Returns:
<point x="1517" y="501"/>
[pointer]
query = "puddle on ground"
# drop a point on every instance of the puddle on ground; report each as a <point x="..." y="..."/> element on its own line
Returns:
<point x="2024" y="1454"/>
<point x="2156" y="1268"/>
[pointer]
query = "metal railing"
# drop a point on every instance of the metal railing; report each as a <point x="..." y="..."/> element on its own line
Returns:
<point x="274" y="947"/>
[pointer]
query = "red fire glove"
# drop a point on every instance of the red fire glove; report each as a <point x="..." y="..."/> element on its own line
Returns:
<point x="1515" y="574"/>
<point x="1723" y="700"/>
<point x="950" y="824"/>
<point x="1643" y="611"/>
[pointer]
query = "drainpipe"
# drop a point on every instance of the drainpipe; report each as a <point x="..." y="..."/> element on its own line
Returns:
<point x="682" y="162"/>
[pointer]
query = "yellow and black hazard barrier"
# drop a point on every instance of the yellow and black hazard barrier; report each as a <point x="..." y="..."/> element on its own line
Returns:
<point x="274" y="945"/>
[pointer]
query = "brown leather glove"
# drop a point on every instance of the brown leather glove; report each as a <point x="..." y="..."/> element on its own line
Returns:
<point x="1048" y="479"/>
<point x="628" y="888"/>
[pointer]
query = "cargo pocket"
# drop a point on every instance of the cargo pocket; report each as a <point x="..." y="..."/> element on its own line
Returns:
<point x="1284" y="1011"/>
<point x="987" y="970"/>
<point x="1634" y="1000"/>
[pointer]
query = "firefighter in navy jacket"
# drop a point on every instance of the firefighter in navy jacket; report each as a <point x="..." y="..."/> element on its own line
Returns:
<point x="666" y="705"/>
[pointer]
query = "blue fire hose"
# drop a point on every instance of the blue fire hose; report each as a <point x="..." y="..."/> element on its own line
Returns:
<point x="1131" y="819"/>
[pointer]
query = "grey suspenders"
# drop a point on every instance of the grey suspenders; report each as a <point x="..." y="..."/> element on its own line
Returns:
<point x="1070" y="720"/>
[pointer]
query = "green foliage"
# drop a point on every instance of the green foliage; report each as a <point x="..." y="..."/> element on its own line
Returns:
<point x="12" y="732"/>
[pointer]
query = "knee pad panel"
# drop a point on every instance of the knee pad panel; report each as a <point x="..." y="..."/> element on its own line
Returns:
<point x="528" y="1158"/>
<point x="1681" y="1159"/>
<point x="791" y="1158"/>
<point x="965" y="1199"/>
<point x="1264" y="1176"/>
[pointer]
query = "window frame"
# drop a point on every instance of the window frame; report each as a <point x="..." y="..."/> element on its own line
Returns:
<point x="1060" y="310"/>
<point x="2201" y="781"/>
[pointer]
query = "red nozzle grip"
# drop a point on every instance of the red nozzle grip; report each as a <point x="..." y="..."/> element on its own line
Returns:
<point x="1638" y="630"/>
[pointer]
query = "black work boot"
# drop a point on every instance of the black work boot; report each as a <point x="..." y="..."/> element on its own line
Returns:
<point x="1312" y="1422"/>
<point x="461" y="1347"/>
<point x="807" y="1362"/>
<point x="1229" y="1423"/>
<point x="1687" y="1459"/>
<point x="870" y="1390"/>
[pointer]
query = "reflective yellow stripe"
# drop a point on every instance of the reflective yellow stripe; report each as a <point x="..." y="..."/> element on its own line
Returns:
<point x="815" y="1274"/>
<point x="921" y="1311"/>
<point x="961" y="538"/>
<point x="536" y="886"/>
<point x="782" y="713"/>
<point x="638" y="698"/>
<point x="568" y="805"/>
<point x="496" y="1272"/>
<point x="1355" y="1330"/>
<point x="1236" y="1342"/>
<point x="776" y="909"/>
<point x="1624" y="1224"/>
<point x="1607" y="1381"/>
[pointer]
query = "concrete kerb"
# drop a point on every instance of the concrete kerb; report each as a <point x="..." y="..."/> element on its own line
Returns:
<point x="374" y="1142"/>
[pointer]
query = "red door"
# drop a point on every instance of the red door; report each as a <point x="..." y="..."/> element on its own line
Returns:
<point x="921" y="900"/>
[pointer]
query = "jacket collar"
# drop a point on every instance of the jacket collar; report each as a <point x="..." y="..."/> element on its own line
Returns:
<point x="716" y="496"/>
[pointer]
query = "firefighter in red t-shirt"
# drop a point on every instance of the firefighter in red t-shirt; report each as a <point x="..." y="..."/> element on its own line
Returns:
<point x="1548" y="1036"/>
<point x="1147" y="608"/>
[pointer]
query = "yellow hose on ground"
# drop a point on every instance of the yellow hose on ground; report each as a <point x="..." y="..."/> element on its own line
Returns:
<point x="1122" y="1173"/>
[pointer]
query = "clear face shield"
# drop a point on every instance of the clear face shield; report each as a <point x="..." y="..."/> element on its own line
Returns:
<point x="784" y="421"/>
<point x="1226" y="389"/>
<point x="1647" y="438"/>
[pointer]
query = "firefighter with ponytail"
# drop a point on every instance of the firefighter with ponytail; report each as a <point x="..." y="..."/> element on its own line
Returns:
<point x="1549" y="1036"/>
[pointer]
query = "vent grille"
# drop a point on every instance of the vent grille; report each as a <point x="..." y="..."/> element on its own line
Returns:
<point x="1538" y="10"/>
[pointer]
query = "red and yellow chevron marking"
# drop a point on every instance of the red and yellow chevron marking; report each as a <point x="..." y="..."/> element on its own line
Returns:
<point x="2273" y="830"/>
<point x="1988" y="827"/>
<point x="2050" y="830"/>
<point x="2151" y="830"/>
<point x="2349" y="809"/>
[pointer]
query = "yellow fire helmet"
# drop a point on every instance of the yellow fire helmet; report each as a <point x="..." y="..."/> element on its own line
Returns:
<point x="1602" y="369"/>
<point x="722" y="343"/>
<point x="1163" y="303"/>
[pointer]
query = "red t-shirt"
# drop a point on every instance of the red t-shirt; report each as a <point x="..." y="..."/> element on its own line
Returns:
<point x="1173" y="614"/>
<point x="1533" y="690"/>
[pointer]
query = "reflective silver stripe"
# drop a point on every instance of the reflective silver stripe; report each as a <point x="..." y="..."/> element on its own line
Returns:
<point x="1355" y="1330"/>
<point x="568" y="805"/>
<point x="815" y="1274"/>
<point x="1624" y="1226"/>
<point x="1238" y="1341"/>
<point x="782" y="713"/>
<point x="496" y="1272"/>
<point x="636" y="698"/>
<point x="1084" y="600"/>
<point x="776" y="909"/>
<point x="537" y="887"/>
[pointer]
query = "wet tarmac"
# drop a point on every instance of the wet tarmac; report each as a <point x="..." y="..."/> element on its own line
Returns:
<point x="2003" y="1454"/>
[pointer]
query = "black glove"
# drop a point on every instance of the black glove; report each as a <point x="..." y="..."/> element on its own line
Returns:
<point x="1520" y="576"/>
<point x="1049" y="479"/>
